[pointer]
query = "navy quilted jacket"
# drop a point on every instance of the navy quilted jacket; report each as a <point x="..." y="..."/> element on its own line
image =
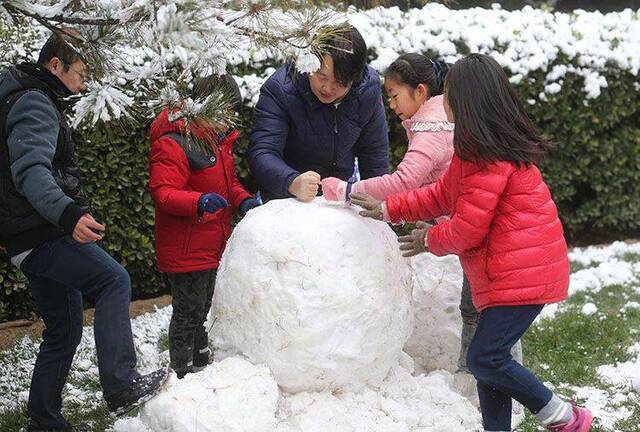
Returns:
<point x="294" y="132"/>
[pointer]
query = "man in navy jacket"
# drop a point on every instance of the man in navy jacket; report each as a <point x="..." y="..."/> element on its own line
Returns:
<point x="308" y="127"/>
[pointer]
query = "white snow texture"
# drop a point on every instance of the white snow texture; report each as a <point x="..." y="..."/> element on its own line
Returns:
<point x="318" y="293"/>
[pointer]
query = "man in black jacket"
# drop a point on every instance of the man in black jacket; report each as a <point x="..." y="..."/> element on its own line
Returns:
<point x="49" y="233"/>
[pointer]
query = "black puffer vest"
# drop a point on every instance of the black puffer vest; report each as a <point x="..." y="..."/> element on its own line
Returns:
<point x="21" y="227"/>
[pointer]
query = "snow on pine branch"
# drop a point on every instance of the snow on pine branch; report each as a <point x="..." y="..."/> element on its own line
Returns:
<point x="179" y="40"/>
<point x="135" y="43"/>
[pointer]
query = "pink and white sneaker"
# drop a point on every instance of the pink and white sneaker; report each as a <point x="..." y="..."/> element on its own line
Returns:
<point x="581" y="422"/>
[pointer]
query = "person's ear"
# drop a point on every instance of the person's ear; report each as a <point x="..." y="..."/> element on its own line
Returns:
<point x="422" y="90"/>
<point x="55" y="66"/>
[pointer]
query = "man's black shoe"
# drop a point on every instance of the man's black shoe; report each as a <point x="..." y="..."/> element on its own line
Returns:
<point x="140" y="391"/>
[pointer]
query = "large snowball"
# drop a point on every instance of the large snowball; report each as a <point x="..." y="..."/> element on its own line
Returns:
<point x="318" y="293"/>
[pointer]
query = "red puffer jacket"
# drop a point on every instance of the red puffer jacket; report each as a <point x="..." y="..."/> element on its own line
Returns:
<point x="184" y="241"/>
<point x="504" y="226"/>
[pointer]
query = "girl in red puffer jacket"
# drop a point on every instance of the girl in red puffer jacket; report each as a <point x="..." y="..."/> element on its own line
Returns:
<point x="504" y="226"/>
<point x="196" y="193"/>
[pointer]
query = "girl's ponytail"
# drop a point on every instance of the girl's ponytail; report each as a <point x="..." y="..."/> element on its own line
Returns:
<point x="413" y="69"/>
<point x="440" y="69"/>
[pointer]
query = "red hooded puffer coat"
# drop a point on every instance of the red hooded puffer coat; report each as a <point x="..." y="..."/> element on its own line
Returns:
<point x="504" y="226"/>
<point x="184" y="241"/>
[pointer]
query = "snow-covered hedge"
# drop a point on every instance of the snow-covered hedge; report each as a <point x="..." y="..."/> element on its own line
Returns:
<point x="576" y="72"/>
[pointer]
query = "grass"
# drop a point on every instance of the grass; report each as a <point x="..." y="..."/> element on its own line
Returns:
<point x="163" y="342"/>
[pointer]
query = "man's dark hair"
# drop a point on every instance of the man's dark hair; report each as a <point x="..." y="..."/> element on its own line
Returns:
<point x="413" y="69"/>
<point x="491" y="123"/>
<point x="348" y="51"/>
<point x="58" y="46"/>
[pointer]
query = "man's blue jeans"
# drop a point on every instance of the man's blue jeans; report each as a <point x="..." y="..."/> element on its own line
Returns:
<point x="500" y="378"/>
<point x="60" y="272"/>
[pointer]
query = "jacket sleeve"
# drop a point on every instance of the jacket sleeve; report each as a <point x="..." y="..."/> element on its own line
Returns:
<point x="480" y="194"/>
<point x="32" y="138"/>
<point x="168" y="177"/>
<point x="372" y="148"/>
<point x="422" y="204"/>
<point x="268" y="140"/>
<point x="424" y="155"/>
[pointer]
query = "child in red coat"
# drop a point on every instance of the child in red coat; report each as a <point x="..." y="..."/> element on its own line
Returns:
<point x="504" y="226"/>
<point x="196" y="193"/>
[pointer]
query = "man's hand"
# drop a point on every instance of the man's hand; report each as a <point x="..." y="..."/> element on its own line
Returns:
<point x="372" y="207"/>
<point x="305" y="186"/>
<point x="87" y="229"/>
<point x="415" y="243"/>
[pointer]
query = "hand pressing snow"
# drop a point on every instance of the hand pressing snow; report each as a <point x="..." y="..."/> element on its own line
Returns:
<point x="372" y="206"/>
<point x="416" y="242"/>
<point x="305" y="186"/>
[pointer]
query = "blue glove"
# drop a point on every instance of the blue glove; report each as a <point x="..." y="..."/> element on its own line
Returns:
<point x="211" y="203"/>
<point x="247" y="205"/>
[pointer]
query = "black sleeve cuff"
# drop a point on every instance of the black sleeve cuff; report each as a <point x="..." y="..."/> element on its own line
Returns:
<point x="70" y="216"/>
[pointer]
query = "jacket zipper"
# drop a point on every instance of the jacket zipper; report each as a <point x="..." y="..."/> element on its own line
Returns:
<point x="226" y="181"/>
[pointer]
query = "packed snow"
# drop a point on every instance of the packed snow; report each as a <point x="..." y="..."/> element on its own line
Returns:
<point x="322" y="296"/>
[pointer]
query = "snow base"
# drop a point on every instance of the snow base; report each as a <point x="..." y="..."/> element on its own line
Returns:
<point x="236" y="396"/>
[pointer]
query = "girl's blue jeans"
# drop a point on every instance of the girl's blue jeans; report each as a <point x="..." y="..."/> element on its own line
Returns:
<point x="500" y="378"/>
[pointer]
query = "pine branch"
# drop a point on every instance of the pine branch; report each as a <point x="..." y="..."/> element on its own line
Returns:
<point x="60" y="19"/>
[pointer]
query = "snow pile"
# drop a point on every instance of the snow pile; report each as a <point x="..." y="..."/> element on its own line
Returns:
<point x="605" y="266"/>
<point x="624" y="375"/>
<point x="403" y="403"/>
<point x="232" y="395"/>
<point x="236" y="396"/>
<point x="435" y="341"/>
<point x="318" y="293"/>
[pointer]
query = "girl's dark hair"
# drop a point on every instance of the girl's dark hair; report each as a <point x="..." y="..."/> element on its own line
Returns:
<point x="58" y="46"/>
<point x="348" y="51"/>
<point x="491" y="123"/>
<point x="414" y="69"/>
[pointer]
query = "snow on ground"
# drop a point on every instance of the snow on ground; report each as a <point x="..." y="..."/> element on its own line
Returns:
<point x="605" y="266"/>
<point x="624" y="375"/>
<point x="247" y="398"/>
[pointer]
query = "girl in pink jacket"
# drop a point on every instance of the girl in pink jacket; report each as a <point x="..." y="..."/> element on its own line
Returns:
<point x="413" y="83"/>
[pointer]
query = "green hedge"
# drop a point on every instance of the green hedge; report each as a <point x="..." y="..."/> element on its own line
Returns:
<point x="593" y="174"/>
